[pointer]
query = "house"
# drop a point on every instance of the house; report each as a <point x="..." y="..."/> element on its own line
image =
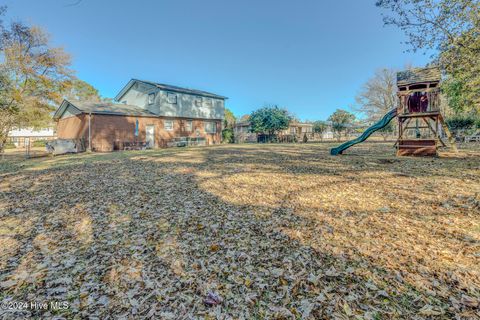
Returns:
<point x="154" y="114"/>
<point x="295" y="130"/>
<point x="242" y="133"/>
<point x="299" y="128"/>
<point x="22" y="137"/>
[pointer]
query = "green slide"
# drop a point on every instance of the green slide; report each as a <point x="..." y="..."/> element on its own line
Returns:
<point x="377" y="126"/>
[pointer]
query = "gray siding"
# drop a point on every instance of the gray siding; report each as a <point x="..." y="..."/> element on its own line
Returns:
<point x="70" y="112"/>
<point x="137" y="95"/>
<point x="210" y="108"/>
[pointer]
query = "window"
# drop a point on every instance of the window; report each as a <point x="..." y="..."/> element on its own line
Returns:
<point x="209" y="102"/>
<point x="210" y="127"/>
<point x="198" y="101"/>
<point x="171" y="98"/>
<point x="124" y="101"/>
<point x="151" y="98"/>
<point x="168" y="124"/>
<point x="189" y="125"/>
<point x="293" y="130"/>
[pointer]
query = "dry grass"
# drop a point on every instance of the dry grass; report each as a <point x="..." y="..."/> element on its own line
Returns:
<point x="276" y="231"/>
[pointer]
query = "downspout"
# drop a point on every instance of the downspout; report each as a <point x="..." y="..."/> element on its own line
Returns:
<point x="90" y="132"/>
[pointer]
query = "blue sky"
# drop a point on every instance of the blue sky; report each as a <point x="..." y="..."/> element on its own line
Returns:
<point x="311" y="56"/>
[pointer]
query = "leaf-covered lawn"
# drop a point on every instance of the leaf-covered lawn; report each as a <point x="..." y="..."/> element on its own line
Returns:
<point x="249" y="231"/>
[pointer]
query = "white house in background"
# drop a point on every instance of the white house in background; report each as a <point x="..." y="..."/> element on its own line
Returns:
<point x="19" y="136"/>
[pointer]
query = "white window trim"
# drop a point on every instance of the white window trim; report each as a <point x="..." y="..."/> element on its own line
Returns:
<point x="214" y="127"/>
<point x="169" y="94"/>
<point x="198" y="101"/>
<point x="189" y="125"/>
<point x="153" y="99"/>
<point x="165" y="125"/>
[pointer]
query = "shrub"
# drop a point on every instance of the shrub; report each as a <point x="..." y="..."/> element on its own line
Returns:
<point x="460" y="124"/>
<point x="39" y="143"/>
<point x="9" y="145"/>
<point x="227" y="135"/>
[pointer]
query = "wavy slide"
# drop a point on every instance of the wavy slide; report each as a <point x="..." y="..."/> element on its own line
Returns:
<point x="377" y="126"/>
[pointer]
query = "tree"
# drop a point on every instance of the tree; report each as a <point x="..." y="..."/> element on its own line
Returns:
<point x="80" y="90"/>
<point x="451" y="27"/>
<point x="387" y="131"/>
<point x="459" y="124"/>
<point x="33" y="75"/>
<point x="228" y="124"/>
<point x="320" y="127"/>
<point x="270" y="120"/>
<point x="341" y="120"/>
<point x="230" y="119"/>
<point x="245" y="118"/>
<point x="377" y="96"/>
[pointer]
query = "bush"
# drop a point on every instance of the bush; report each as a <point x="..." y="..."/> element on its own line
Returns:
<point x="227" y="135"/>
<point x="9" y="145"/>
<point x="39" y="143"/>
<point x="461" y="124"/>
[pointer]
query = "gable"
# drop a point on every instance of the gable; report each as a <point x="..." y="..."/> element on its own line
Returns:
<point x="66" y="110"/>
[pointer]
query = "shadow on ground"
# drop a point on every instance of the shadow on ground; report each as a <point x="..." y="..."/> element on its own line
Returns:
<point x="276" y="231"/>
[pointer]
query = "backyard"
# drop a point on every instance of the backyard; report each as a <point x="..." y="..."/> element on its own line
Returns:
<point x="242" y="231"/>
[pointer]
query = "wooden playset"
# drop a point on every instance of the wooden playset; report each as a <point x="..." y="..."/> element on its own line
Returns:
<point x="421" y="126"/>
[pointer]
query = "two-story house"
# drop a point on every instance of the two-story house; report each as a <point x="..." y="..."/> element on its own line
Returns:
<point x="144" y="111"/>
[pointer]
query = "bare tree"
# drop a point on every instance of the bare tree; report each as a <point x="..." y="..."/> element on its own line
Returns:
<point x="377" y="96"/>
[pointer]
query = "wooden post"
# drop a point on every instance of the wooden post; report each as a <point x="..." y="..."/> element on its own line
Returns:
<point x="449" y="135"/>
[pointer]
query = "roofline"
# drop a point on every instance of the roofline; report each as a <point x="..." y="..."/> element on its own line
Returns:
<point x="180" y="90"/>
<point x="65" y="103"/>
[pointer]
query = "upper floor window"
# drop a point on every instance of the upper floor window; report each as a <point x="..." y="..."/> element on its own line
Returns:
<point x="189" y="125"/>
<point x="209" y="102"/>
<point x="151" y="98"/>
<point x="198" y="101"/>
<point x="168" y="124"/>
<point x="210" y="127"/>
<point x="171" y="98"/>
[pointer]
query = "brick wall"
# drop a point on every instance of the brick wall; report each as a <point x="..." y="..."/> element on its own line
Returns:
<point x="110" y="132"/>
<point x="73" y="127"/>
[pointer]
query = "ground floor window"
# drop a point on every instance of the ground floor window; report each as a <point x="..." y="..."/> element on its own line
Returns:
<point x="210" y="127"/>
<point x="189" y="125"/>
<point x="168" y="124"/>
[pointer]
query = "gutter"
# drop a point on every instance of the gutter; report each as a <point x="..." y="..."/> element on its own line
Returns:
<point x="90" y="132"/>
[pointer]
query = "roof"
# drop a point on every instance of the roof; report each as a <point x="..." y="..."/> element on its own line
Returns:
<point x="31" y="132"/>
<point x="107" y="108"/>
<point x="301" y="124"/>
<point x="169" y="87"/>
<point x="418" y="75"/>
<point x="242" y="124"/>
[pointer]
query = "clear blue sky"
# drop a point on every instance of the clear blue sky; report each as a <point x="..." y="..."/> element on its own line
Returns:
<point x="311" y="56"/>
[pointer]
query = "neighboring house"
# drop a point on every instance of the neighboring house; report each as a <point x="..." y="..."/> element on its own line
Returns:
<point x="148" y="112"/>
<point x="22" y="137"/>
<point x="299" y="129"/>
<point x="243" y="134"/>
